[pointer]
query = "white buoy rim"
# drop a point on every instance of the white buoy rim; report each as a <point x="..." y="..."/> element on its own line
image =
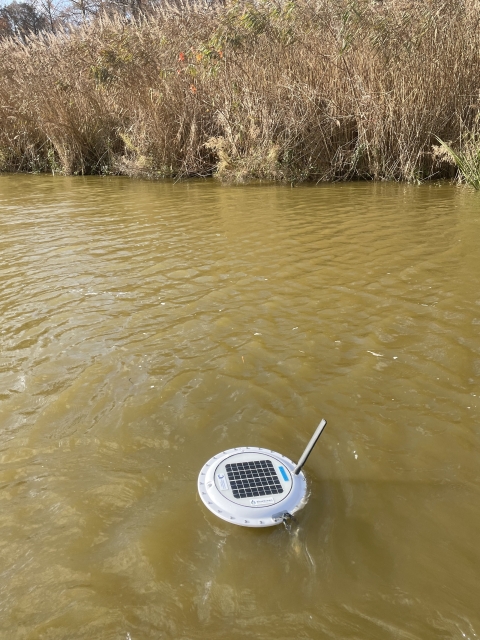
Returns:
<point x="251" y="486"/>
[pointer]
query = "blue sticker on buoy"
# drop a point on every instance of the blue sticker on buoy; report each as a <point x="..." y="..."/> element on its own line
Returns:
<point x="284" y="474"/>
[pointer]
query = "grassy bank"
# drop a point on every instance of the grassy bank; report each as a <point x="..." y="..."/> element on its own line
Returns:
<point x="314" y="90"/>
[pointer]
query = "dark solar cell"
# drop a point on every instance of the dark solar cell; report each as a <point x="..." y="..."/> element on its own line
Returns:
<point x="256" y="478"/>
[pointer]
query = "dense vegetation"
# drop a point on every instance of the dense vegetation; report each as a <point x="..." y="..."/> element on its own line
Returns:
<point x="19" y="19"/>
<point x="291" y="90"/>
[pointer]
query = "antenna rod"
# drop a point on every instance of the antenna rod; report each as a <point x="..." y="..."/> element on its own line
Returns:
<point x="310" y="446"/>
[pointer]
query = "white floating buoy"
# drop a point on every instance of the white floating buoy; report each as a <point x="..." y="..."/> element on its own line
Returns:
<point x="255" y="487"/>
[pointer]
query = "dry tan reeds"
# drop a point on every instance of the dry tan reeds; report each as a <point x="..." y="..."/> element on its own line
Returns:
<point x="300" y="90"/>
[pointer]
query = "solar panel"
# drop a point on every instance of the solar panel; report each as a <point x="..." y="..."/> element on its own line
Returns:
<point x="255" y="478"/>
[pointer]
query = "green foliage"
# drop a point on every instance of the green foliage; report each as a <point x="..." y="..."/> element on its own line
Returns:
<point x="467" y="160"/>
<point x="100" y="73"/>
<point x="244" y="23"/>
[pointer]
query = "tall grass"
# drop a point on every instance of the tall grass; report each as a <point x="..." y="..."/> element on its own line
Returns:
<point x="290" y="90"/>
<point x="466" y="159"/>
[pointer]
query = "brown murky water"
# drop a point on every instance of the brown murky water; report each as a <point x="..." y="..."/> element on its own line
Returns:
<point x="145" y="327"/>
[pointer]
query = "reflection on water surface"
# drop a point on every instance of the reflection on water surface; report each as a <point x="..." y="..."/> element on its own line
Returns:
<point x="146" y="327"/>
